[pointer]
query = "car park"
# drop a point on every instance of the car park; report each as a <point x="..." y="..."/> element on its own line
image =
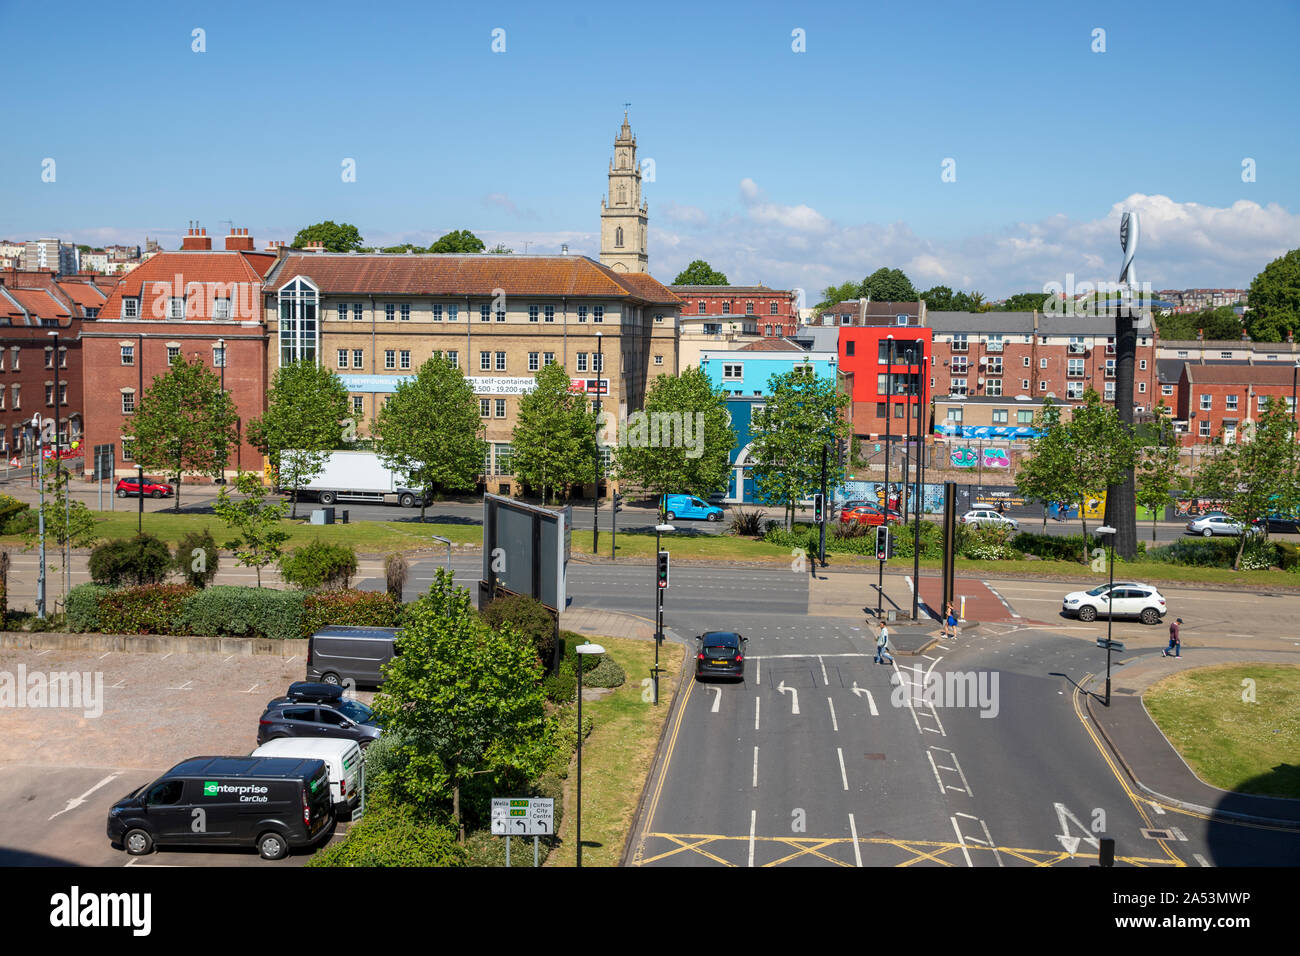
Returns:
<point x="271" y="803"/>
<point x="987" y="517"/>
<point x="690" y="507"/>
<point x="132" y="486"/>
<point x="338" y="654"/>
<point x="318" y="710"/>
<point x="342" y="758"/>
<point x="720" y="654"/>
<point x="1126" y="599"/>
<point x="1216" y="523"/>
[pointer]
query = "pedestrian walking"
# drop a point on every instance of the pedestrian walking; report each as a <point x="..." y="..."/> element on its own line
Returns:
<point x="1175" y="640"/>
<point x="950" y="621"/>
<point x="882" y="645"/>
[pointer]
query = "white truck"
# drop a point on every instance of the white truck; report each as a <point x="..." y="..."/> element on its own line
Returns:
<point x="360" y="476"/>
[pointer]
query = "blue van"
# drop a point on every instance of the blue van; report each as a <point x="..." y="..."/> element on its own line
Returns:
<point x="688" y="506"/>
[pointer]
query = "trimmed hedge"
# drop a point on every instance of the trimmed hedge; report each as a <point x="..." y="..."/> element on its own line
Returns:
<point x="348" y="607"/>
<point x="237" y="611"/>
<point x="142" y="559"/>
<point x="145" y="609"/>
<point x="1197" y="553"/>
<point x="82" y="606"/>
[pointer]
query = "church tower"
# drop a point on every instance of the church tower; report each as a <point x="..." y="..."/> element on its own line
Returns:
<point x="623" y="214"/>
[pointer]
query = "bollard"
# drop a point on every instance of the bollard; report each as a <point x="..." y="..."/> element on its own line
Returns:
<point x="962" y="613"/>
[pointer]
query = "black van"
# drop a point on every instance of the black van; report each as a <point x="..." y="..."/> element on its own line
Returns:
<point x="272" y="803"/>
<point x="337" y="654"/>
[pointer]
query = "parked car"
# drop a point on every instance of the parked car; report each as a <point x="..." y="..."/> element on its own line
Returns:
<point x="688" y="506"/>
<point x="986" y="516"/>
<point x="131" y="486"/>
<point x="721" y="654"/>
<point x="869" y="515"/>
<point x="271" y="803"/>
<point x="342" y="758"/>
<point x="339" y="653"/>
<point x="1216" y="523"/>
<point x="318" y="710"/>
<point x="1279" y="523"/>
<point x="1128" y="599"/>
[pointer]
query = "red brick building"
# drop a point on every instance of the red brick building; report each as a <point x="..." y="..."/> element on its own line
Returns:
<point x="1222" y="399"/>
<point x="774" y="312"/>
<point x="199" y="302"/>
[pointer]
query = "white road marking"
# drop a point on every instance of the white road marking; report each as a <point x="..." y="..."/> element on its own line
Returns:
<point x="78" y="801"/>
<point x="1178" y="834"/>
<point x="772" y="657"/>
<point x="871" y="701"/>
<point x="292" y="659"/>
<point x="935" y="768"/>
<point x="961" y="840"/>
<point x="229" y="659"/>
<point x="844" y="777"/>
<point x="250" y="690"/>
<point x="185" y="686"/>
<point x="755" y="780"/>
<point x="716" y="700"/>
<point x="857" y="852"/>
<point x="1200" y="859"/>
<point x="794" y="696"/>
<point x="44" y="652"/>
<point x="1157" y="808"/>
<point x="758" y="672"/>
<point x="167" y="655"/>
<point x="825" y="680"/>
<point x="757" y="703"/>
<point x="834" y="724"/>
<point x="753" y="823"/>
<point x="995" y="593"/>
<point x="102" y="656"/>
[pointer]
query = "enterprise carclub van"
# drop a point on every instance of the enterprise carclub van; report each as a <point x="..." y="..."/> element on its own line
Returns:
<point x="342" y="758"/>
<point x="271" y="803"/>
<point x="337" y="654"/>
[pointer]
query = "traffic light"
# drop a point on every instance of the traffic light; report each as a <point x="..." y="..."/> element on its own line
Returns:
<point x="882" y="543"/>
<point x="618" y="502"/>
<point x="819" y="503"/>
<point x="662" y="570"/>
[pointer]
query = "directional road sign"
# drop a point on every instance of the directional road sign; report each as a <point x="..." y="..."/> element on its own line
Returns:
<point x="523" y="816"/>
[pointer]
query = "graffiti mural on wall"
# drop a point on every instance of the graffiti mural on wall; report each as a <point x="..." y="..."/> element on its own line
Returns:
<point x="994" y="458"/>
<point x="963" y="457"/>
<point x="873" y="491"/>
<point x="1190" y="507"/>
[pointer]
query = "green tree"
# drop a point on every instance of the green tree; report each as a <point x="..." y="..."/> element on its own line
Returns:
<point x="335" y="237"/>
<point x="430" y="430"/>
<point x="834" y="294"/>
<point x="969" y="302"/>
<point x="1157" y="469"/>
<point x="1023" y="302"/>
<point x="938" y="299"/>
<point x="68" y="523"/>
<point x="500" y="249"/>
<point x="403" y="248"/>
<point x="306" y="407"/>
<point x="467" y="699"/>
<point x="554" y="438"/>
<point x="1221" y="324"/>
<point x="801" y="415"/>
<point x="1046" y="476"/>
<point x="255" y="520"/>
<point x="656" y="451"/>
<point x="889" y="285"/>
<point x="700" y="272"/>
<point x="1256" y="474"/>
<point x="1274" y="300"/>
<point x="459" y="240"/>
<point x="184" y="422"/>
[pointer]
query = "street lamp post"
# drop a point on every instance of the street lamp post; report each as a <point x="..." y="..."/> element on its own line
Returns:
<point x="221" y="350"/>
<point x="918" y="500"/>
<point x="889" y="417"/>
<point x="595" y="527"/>
<point x="582" y="649"/>
<point x="1109" y="532"/>
<point x="139" y="394"/>
<point x="40" y="515"/>
<point x="660" y="527"/>
<point x="58" y="465"/>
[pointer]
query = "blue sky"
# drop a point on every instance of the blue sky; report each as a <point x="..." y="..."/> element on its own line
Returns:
<point x="796" y="169"/>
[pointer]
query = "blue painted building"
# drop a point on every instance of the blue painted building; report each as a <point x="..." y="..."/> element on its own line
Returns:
<point x="744" y="375"/>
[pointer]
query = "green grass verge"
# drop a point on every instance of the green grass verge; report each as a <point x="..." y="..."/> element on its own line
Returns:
<point x="616" y="758"/>
<point x="1239" y="745"/>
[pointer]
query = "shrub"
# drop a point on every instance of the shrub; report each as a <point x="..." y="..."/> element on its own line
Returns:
<point x="319" y="565"/>
<point x="562" y="686"/>
<point x="1050" y="547"/>
<point x="749" y="523"/>
<point x="394" y="836"/>
<point x="82" y="607"/>
<point x="144" y="609"/>
<point x="20" y="522"/>
<point x="607" y="673"/>
<point x="988" y="543"/>
<point x="189" y="550"/>
<point x="140" y="560"/>
<point x="348" y="607"/>
<point x="527" y="616"/>
<point x="1288" y="556"/>
<point x="482" y="848"/>
<point x="395" y="571"/>
<point x="801" y="536"/>
<point x="226" y="609"/>
<point x="1200" y="553"/>
<point x="16" y="512"/>
<point x="1259" y="555"/>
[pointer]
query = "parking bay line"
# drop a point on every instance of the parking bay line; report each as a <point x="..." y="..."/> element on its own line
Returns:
<point x="78" y="801"/>
<point x="844" y="778"/>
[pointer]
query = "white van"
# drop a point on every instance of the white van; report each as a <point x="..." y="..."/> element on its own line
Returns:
<point x="342" y="757"/>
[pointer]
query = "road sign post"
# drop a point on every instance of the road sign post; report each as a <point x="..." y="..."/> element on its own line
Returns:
<point x="523" y="816"/>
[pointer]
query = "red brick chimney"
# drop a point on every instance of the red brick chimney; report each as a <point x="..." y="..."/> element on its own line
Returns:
<point x="239" y="241"/>
<point x="196" y="238"/>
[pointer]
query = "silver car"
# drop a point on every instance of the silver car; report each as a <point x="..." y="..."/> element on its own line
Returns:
<point x="1207" y="526"/>
<point x="987" y="516"/>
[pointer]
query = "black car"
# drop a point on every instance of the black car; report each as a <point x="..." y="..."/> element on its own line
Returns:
<point x="1280" y="524"/>
<point x="721" y="654"/>
<point x="317" y="710"/>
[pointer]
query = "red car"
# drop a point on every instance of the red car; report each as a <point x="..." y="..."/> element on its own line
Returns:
<point x="869" y="515"/>
<point x="131" y="486"/>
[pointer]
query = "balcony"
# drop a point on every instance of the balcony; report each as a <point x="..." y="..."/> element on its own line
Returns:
<point x="1076" y="348"/>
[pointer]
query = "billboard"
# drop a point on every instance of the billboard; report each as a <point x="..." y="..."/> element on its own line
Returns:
<point x="525" y="551"/>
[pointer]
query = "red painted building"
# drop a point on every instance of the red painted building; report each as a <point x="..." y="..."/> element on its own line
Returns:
<point x="199" y="302"/>
<point x="1219" y="400"/>
<point x="774" y="312"/>
<point x="890" y="366"/>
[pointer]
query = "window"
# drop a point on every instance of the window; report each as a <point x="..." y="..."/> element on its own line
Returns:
<point x="659" y="360"/>
<point x="128" y="402"/>
<point x="1142" y="388"/>
<point x="954" y="415"/>
<point x="131" y="308"/>
<point x="390" y="312"/>
<point x="898" y="410"/>
<point x="959" y="343"/>
<point x="880" y="409"/>
<point x="848" y="347"/>
<point x="485" y="312"/>
<point x="1042" y="385"/>
<point x="1109" y="392"/>
<point x="342" y="309"/>
<point x="357" y="312"/>
<point x="995" y="366"/>
<point x="598" y="313"/>
<point x="999" y="416"/>
<point x="582" y="361"/>
<point x="358" y="358"/>
<point x="221" y="308"/>
<point x="699" y="307"/>
<point x="1207" y="402"/>
<point x="548" y="313"/>
<point x="582" y="313"/>
<point x="1225" y="355"/>
<point x="995" y="343"/>
<point x="1182" y="353"/>
<point x="597" y="362"/>
<point x="343" y="358"/>
<point x="390" y="359"/>
<point x="501" y="361"/>
<point x="173" y="353"/>
<point x="453" y="357"/>
<point x="1142" y="365"/>
<point x="712" y="328"/>
<point x="993" y="387"/>
<point x="1231" y="402"/>
<point x="128" y="356"/>
<point x="452" y="312"/>
<point x="548" y="358"/>
<point x="484" y="407"/>
<point x="128" y="449"/>
<point x="1204" y="429"/>
<point x="1076" y="346"/>
<point x="957" y="386"/>
<point x="49" y="394"/>
<point x="505" y="460"/>
<point x="1025" y="360"/>
<point x="1074" y="390"/>
<point x="533" y="364"/>
<point x="298" y="302"/>
<point x="49" y="356"/>
<point x="501" y="408"/>
<point x="767" y="330"/>
<point x="733" y="372"/>
<point x="13" y="352"/>
<point x="436" y="310"/>
<point x="749" y="308"/>
<point x="1042" y="363"/>
<point x="405" y="312"/>
<point x="485" y="361"/>
<point x="501" y="314"/>
<point x="358" y="405"/>
<point x="63" y="393"/>
<point x="1110" y="345"/>
<point x="1024" y="417"/>
<point x="959" y="364"/>
<point x="659" y="317"/>
<point x="219" y="357"/>
<point x="1166" y="390"/>
<point x="176" y="307"/>
<point x="1074" y="368"/>
<point x="1024" y="384"/>
<point x="404" y="359"/>
<point x="533" y="313"/>
<point x="1110" y="368"/>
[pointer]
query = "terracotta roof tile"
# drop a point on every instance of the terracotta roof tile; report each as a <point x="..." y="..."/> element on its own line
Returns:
<point x="1240" y="374"/>
<point x="771" y="345"/>
<point x="40" y="304"/>
<point x="158" y="275"/>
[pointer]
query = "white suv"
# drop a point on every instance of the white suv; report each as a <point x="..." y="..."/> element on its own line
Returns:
<point x="982" y="516"/>
<point x="1129" y="599"/>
